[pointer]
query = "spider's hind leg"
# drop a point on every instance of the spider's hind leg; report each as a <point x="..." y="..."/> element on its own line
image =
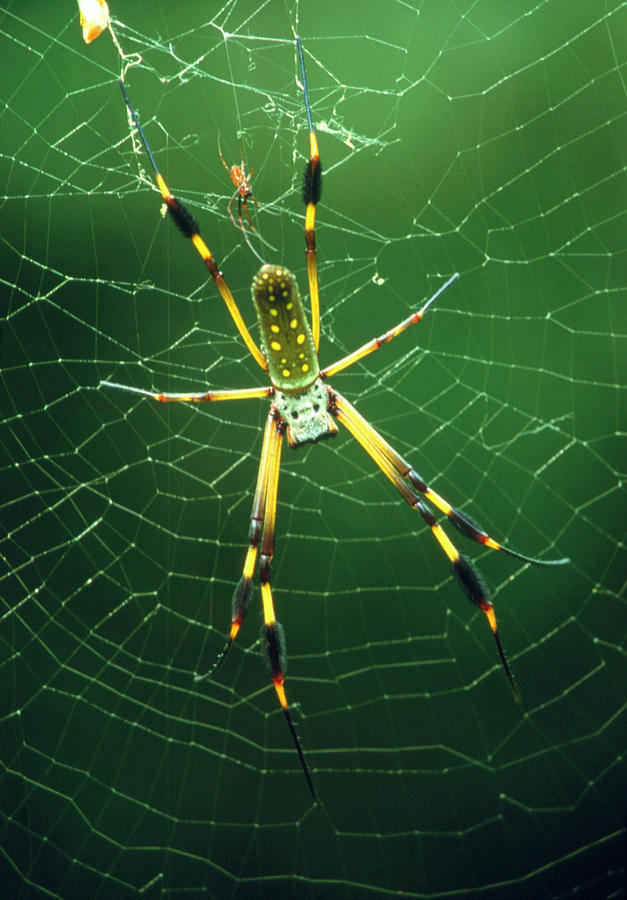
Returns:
<point x="404" y="478"/>
<point x="244" y="590"/>
<point x="272" y="631"/>
<point x="261" y="541"/>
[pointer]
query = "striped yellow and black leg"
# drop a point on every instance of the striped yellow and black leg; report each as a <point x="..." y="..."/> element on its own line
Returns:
<point x="243" y="592"/>
<point x="470" y="580"/>
<point x="272" y="631"/>
<point x="470" y="528"/>
<point x="461" y="520"/>
<point x="461" y="567"/>
<point x="188" y="226"/>
<point x="312" y="190"/>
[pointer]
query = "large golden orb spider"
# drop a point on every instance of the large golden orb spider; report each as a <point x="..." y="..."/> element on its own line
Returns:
<point x="304" y="406"/>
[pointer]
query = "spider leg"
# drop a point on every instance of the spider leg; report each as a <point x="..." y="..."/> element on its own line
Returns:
<point x="244" y="206"/>
<point x="243" y="592"/>
<point x="387" y="336"/>
<point x="312" y="190"/>
<point x="240" y="224"/>
<point x="228" y="171"/>
<point x="187" y="225"/>
<point x="199" y="397"/>
<point x="261" y="538"/>
<point x="230" y="211"/>
<point x="461" y="520"/>
<point x="242" y="228"/>
<point x="272" y="631"/>
<point x="404" y="479"/>
<point x="248" y="195"/>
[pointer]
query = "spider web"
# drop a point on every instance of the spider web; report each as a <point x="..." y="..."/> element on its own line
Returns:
<point x="475" y="137"/>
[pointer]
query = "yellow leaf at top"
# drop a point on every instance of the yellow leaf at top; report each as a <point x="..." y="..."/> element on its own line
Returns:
<point x="94" y="18"/>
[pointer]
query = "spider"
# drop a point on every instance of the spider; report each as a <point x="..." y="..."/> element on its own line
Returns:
<point x="243" y="192"/>
<point x="305" y="408"/>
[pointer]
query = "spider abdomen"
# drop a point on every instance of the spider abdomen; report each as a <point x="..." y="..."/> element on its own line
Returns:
<point x="284" y="331"/>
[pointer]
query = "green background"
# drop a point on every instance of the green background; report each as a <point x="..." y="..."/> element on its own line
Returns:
<point x="485" y="138"/>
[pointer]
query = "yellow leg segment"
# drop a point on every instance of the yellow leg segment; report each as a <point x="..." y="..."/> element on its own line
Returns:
<point x="312" y="189"/>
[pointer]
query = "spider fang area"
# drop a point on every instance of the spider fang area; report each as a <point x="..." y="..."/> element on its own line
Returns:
<point x="306" y="415"/>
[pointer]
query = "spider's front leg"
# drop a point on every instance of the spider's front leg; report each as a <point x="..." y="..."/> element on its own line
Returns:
<point x="243" y="592"/>
<point x="188" y="226"/>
